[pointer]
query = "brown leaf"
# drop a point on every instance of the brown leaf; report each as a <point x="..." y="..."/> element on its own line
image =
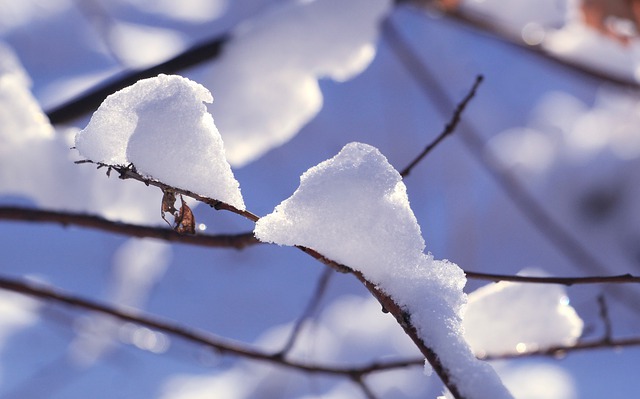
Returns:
<point x="599" y="14"/>
<point x="168" y="201"/>
<point x="185" y="222"/>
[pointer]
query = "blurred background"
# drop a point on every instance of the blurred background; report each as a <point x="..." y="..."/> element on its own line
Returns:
<point x="541" y="174"/>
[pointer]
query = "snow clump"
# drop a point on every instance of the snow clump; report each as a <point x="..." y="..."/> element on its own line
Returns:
<point x="161" y="126"/>
<point x="354" y="210"/>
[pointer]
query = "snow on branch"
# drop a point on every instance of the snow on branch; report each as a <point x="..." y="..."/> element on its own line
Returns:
<point x="160" y="127"/>
<point x="354" y="209"/>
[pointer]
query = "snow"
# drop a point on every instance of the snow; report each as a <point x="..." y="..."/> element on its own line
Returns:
<point x="193" y="11"/>
<point x="538" y="381"/>
<point x="465" y="216"/>
<point x="508" y="317"/>
<point x="138" y="46"/>
<point x="35" y="160"/>
<point x="354" y="209"/>
<point x="266" y="83"/>
<point x="161" y="126"/>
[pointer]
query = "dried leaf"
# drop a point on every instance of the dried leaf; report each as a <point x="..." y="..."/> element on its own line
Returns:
<point x="185" y="222"/>
<point x="600" y="15"/>
<point x="168" y="201"/>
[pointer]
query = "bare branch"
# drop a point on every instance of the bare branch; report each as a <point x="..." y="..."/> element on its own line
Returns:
<point x="561" y="351"/>
<point x="237" y="241"/>
<point x="311" y="307"/>
<point x="219" y="344"/>
<point x="449" y="128"/>
<point x="129" y="172"/>
<point x="243" y="240"/>
<point x="568" y="281"/>
<point x="542" y="220"/>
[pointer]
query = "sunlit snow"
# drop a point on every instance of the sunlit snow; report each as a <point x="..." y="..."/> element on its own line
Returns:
<point x="354" y="209"/>
<point x="507" y="317"/>
<point x="266" y="82"/>
<point x="161" y="126"/>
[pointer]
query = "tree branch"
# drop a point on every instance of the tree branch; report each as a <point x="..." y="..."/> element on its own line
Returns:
<point x="129" y="172"/>
<point x="449" y="128"/>
<point x="237" y="241"/>
<point x="561" y="351"/>
<point x="219" y="344"/>
<point x="243" y="240"/>
<point x="92" y="98"/>
<point x="567" y="281"/>
<point x="542" y="220"/>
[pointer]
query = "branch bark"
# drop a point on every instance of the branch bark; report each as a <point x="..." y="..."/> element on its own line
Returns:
<point x="217" y="343"/>
<point x="237" y="241"/>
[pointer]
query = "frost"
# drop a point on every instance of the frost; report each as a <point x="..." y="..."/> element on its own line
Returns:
<point x="506" y="317"/>
<point x="161" y="126"/>
<point x="354" y="209"/>
<point x="266" y="82"/>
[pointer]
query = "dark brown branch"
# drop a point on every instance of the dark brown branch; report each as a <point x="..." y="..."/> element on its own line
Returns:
<point x="567" y="281"/>
<point x="237" y="241"/>
<point x="243" y="240"/>
<point x="449" y="128"/>
<point x="91" y="99"/>
<point x="129" y="172"/>
<point x="220" y="345"/>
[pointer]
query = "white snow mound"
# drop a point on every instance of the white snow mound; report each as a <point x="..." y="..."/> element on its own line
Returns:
<point x="162" y="127"/>
<point x="354" y="209"/>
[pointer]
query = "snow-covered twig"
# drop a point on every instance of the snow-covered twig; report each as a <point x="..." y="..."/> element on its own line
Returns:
<point x="403" y="318"/>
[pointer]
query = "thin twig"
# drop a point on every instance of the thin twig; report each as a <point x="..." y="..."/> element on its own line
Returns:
<point x="310" y="309"/>
<point x="561" y="351"/>
<point x="219" y="344"/>
<point x="567" y="281"/>
<point x="606" y="320"/>
<point x="237" y="241"/>
<point x="449" y="128"/>
<point x="542" y="220"/>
